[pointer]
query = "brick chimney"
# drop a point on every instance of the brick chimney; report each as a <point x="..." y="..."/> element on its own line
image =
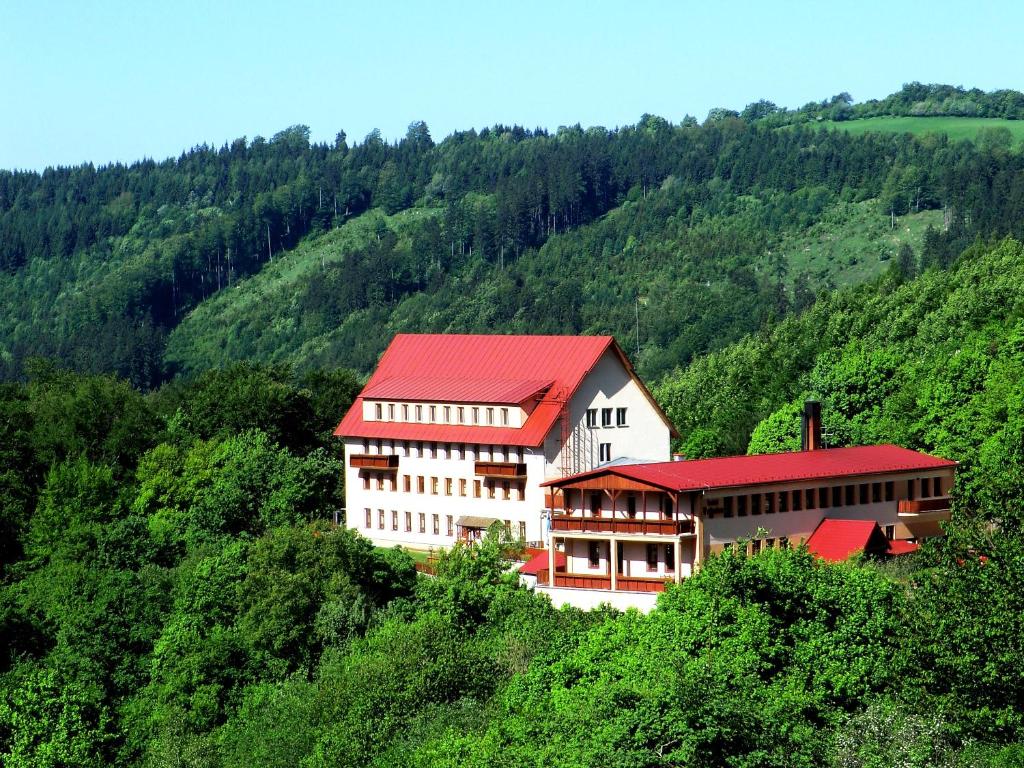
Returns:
<point x="810" y="426"/>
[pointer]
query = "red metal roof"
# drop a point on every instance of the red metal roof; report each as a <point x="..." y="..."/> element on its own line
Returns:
<point x="900" y="547"/>
<point x="795" y="466"/>
<point x="475" y="368"/>
<point x="836" y="540"/>
<point x="455" y="390"/>
<point x="540" y="562"/>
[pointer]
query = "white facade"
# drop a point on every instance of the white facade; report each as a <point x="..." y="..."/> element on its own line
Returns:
<point x="437" y="481"/>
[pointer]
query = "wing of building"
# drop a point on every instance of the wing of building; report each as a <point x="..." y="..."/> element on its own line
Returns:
<point x="454" y="432"/>
<point x="627" y="530"/>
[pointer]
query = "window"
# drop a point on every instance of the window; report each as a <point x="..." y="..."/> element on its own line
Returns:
<point x="890" y="490"/>
<point x="848" y="493"/>
<point x="670" y="557"/>
<point x="521" y="491"/>
<point x="936" y="486"/>
<point x="490" y="416"/>
<point x="420" y="483"/>
<point x="822" y="498"/>
<point x="504" y="417"/>
<point x="380" y="519"/>
<point x="755" y="504"/>
<point x="652" y="557"/>
<point x="605" y="450"/>
<point x="631" y="506"/>
<point x="490" y="490"/>
<point x="408" y="522"/>
<point x="862" y="493"/>
<point x="798" y="497"/>
<point x="784" y="501"/>
<point x="508" y="528"/>
<point x="522" y="530"/>
<point x="394" y="519"/>
<point x="837" y="495"/>
<point x="809" y="498"/>
<point x="405" y="412"/>
<point x="506" y="490"/>
<point x="366" y="482"/>
<point x="378" y="411"/>
<point x="876" y="492"/>
<point x="595" y="504"/>
<point x="391" y="411"/>
<point x="462" y="415"/>
<point x="666" y="506"/>
<point x="593" y="554"/>
<point x="406" y="483"/>
<point x="890" y="532"/>
<point x="727" y="503"/>
<point x="433" y="413"/>
<point x="462" y="487"/>
<point x="911" y="483"/>
<point x="447" y="486"/>
<point x="755" y="546"/>
<point x="476" y="415"/>
<point x="741" y="506"/>
<point x="769" y="503"/>
<point x="419" y="413"/>
<point x="460" y="452"/>
<point x="419" y="449"/>
<point x="448" y="519"/>
<point x="606" y="417"/>
<point x="476" y="489"/>
<point x="591" y="417"/>
<point x="437" y="525"/>
<point x="423" y="522"/>
<point x="433" y="486"/>
<point x="369" y="518"/>
<point x="380" y="481"/>
<point x="620" y="417"/>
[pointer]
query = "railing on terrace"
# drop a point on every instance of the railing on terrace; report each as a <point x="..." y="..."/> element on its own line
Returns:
<point x="917" y="506"/>
<point x="582" y="524"/>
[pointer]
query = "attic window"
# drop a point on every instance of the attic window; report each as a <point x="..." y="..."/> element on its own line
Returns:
<point x="378" y="411"/>
<point x="504" y="417"/>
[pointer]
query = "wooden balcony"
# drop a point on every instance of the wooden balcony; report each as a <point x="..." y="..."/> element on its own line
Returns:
<point x="500" y="470"/>
<point x="918" y="507"/>
<point x="603" y="581"/>
<point x="378" y="461"/>
<point x="580" y="524"/>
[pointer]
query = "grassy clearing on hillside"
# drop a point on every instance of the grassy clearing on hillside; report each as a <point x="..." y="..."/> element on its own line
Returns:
<point x="955" y="127"/>
<point x="853" y="242"/>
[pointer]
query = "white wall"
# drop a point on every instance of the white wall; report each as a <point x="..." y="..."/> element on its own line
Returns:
<point x="588" y="599"/>
<point x="357" y="499"/>
<point x="609" y="385"/>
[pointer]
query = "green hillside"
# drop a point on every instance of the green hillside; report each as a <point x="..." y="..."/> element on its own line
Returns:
<point x="956" y="128"/>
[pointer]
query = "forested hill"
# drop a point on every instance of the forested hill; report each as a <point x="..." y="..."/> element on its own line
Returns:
<point x="678" y="237"/>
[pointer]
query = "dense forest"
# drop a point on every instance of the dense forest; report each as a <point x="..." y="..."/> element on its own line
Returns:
<point x="180" y="338"/>
<point x="174" y="594"/>
<point x="672" y="234"/>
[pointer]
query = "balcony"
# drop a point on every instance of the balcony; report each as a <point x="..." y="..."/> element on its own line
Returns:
<point x="577" y="524"/>
<point x="604" y="581"/>
<point x="500" y="470"/>
<point x="924" y="507"/>
<point x="377" y="461"/>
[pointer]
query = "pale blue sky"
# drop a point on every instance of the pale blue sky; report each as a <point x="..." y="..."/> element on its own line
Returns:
<point x="107" y="80"/>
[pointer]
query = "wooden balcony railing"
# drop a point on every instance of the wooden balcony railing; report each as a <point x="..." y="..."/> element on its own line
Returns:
<point x="582" y="524"/>
<point x="917" y="506"/>
<point x="503" y="470"/>
<point x="603" y="581"/>
<point x="373" y="461"/>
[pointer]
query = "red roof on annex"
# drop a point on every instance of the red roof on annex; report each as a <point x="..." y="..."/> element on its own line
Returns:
<point x="762" y="469"/>
<point x="478" y="368"/>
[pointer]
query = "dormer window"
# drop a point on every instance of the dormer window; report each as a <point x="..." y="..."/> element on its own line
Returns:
<point x="490" y="416"/>
<point x="433" y="414"/>
<point x="378" y="410"/>
<point x="447" y="414"/>
<point x="476" y="415"/>
<point x="419" y="413"/>
<point x="391" y="411"/>
<point x="405" y="412"/>
<point x="504" y="417"/>
<point x="462" y="415"/>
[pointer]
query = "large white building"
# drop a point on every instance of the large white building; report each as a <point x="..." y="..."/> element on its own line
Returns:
<point x="455" y="432"/>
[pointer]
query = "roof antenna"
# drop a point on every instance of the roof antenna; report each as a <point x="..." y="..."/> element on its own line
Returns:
<point x="638" y="327"/>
